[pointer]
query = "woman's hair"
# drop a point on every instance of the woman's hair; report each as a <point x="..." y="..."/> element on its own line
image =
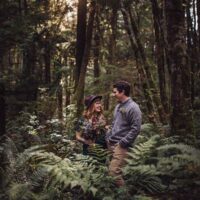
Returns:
<point x="89" y="112"/>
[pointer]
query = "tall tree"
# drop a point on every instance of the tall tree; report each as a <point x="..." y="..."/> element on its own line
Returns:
<point x="2" y="109"/>
<point x="128" y="13"/>
<point x="160" y="52"/>
<point x="181" y="116"/>
<point x="81" y="82"/>
<point x="198" y="14"/>
<point x="81" y="38"/>
<point x="111" y="50"/>
<point x="47" y="59"/>
<point x="97" y="46"/>
<point x="152" y="114"/>
<point x="198" y="33"/>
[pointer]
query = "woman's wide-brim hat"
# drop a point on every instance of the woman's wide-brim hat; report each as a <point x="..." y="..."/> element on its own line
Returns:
<point x="90" y="99"/>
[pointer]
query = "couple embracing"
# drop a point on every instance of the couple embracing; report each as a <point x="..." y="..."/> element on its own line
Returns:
<point x="92" y="128"/>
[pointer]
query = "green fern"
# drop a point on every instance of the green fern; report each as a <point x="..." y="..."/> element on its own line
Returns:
<point x="140" y="174"/>
<point x="179" y="149"/>
<point x="141" y="152"/>
<point x="8" y="159"/>
<point x="179" y="161"/>
<point x="98" y="153"/>
<point x="68" y="174"/>
<point x="21" y="192"/>
<point x="157" y="164"/>
<point x="144" y="178"/>
<point x="147" y="131"/>
<point x="39" y="179"/>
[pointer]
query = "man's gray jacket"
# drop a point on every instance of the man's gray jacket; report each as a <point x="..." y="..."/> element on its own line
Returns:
<point x="126" y="124"/>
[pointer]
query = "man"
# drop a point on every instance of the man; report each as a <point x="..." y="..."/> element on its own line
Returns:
<point x="124" y="130"/>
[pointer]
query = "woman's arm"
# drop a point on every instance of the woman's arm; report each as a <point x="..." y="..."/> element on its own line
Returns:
<point x="83" y="140"/>
<point x="79" y="138"/>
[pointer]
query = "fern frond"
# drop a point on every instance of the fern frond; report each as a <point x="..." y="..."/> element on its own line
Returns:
<point x="66" y="173"/>
<point x="187" y="158"/>
<point x="141" y="169"/>
<point x="149" y="129"/>
<point x="170" y="140"/>
<point x="9" y="152"/>
<point x="178" y="166"/>
<point x="98" y="153"/>
<point x="140" y="152"/>
<point x="25" y="156"/>
<point x="142" y="197"/>
<point x="38" y="179"/>
<point x="8" y="160"/>
<point x="21" y="192"/>
<point x="144" y="177"/>
<point x="171" y="149"/>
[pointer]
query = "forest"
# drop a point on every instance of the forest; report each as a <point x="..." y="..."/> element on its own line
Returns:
<point x="53" y="53"/>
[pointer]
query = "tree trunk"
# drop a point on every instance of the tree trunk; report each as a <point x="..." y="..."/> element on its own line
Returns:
<point x="28" y="82"/>
<point x="47" y="60"/>
<point x="147" y="67"/>
<point x="81" y="38"/>
<point x="192" y="46"/>
<point x="29" y="58"/>
<point x="160" y="54"/>
<point x="2" y="110"/>
<point x="152" y="116"/>
<point x="133" y="36"/>
<point x="112" y="52"/>
<point x="181" y="116"/>
<point x="197" y="76"/>
<point x="67" y="98"/>
<point x="97" y="49"/>
<point x="198" y="14"/>
<point x="81" y="83"/>
<point x="60" y="102"/>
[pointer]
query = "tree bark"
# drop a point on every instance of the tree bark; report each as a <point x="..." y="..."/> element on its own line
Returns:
<point x="97" y="49"/>
<point x="160" y="53"/>
<point x="81" y="83"/>
<point x="147" y="67"/>
<point x="111" y="56"/>
<point x="60" y="102"/>
<point x="29" y="58"/>
<point x="198" y="22"/>
<point x="2" y="110"/>
<point x="149" y="85"/>
<point x="47" y="60"/>
<point x="197" y="93"/>
<point x="81" y="38"/>
<point x="192" y="46"/>
<point x="152" y="116"/>
<point x="181" y="116"/>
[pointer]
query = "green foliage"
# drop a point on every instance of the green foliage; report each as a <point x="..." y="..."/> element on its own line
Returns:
<point x="155" y="165"/>
<point x="25" y="122"/>
<point x="144" y="178"/>
<point x="8" y="155"/>
<point x="158" y="165"/>
<point x="71" y="119"/>
<point x="141" y="169"/>
<point x="141" y="152"/>
<point x="24" y="130"/>
<point x="21" y="191"/>
<point x="68" y="175"/>
<point x="98" y="153"/>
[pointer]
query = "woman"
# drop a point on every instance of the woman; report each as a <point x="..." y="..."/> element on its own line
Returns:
<point x="90" y="129"/>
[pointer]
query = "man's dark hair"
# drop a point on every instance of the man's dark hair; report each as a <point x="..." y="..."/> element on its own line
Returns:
<point x="123" y="86"/>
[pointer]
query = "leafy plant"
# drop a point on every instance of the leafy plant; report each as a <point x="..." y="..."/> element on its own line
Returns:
<point x="161" y="164"/>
